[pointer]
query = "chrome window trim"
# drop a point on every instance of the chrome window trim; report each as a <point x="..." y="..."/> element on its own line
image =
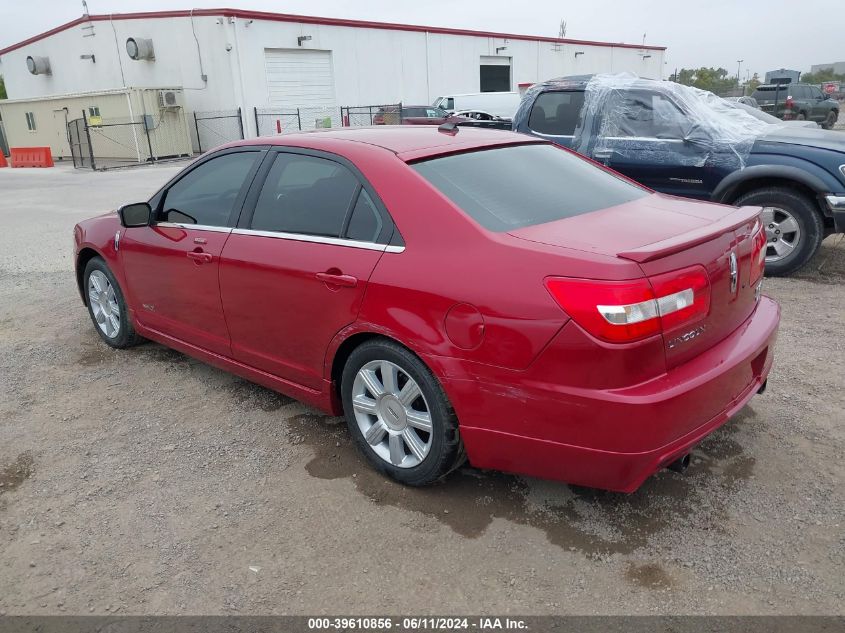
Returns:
<point x="196" y="227"/>
<point x="319" y="239"/>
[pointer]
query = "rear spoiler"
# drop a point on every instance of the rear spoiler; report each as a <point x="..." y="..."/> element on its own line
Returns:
<point x="678" y="243"/>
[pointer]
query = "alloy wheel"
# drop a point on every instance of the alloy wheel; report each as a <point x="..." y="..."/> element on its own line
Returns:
<point x="782" y="233"/>
<point x="103" y="302"/>
<point x="392" y="413"/>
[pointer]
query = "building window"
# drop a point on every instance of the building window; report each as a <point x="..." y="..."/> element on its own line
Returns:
<point x="94" y="118"/>
<point x="30" y="121"/>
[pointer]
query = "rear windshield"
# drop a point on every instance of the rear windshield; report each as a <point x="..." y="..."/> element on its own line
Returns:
<point x="523" y="185"/>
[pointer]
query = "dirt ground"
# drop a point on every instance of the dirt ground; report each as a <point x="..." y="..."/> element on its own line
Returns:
<point x="145" y="482"/>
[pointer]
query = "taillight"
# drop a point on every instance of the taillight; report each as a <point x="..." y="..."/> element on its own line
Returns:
<point x="627" y="311"/>
<point x="758" y="254"/>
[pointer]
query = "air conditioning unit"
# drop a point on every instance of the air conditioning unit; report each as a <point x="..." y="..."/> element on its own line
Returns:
<point x="169" y="99"/>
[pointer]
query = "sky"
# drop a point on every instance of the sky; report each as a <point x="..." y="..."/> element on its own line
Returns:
<point x="765" y="34"/>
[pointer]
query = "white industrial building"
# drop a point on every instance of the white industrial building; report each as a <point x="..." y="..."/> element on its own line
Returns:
<point x="224" y="59"/>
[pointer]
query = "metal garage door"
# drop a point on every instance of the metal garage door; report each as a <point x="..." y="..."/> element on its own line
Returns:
<point x="299" y="78"/>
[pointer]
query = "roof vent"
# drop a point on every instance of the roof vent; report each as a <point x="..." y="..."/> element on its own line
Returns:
<point x="38" y="65"/>
<point x="140" y="48"/>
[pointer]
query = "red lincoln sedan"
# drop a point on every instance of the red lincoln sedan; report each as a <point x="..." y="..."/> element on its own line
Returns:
<point x="455" y="293"/>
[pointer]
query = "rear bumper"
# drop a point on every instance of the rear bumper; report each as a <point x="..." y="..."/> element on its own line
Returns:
<point x="621" y="436"/>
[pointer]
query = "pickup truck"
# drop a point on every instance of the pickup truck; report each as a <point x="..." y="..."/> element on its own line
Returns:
<point x="687" y="142"/>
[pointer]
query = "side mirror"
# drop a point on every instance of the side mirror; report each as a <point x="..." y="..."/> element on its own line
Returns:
<point x="135" y="215"/>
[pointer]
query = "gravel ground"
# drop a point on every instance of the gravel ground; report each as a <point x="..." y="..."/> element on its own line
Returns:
<point x="145" y="482"/>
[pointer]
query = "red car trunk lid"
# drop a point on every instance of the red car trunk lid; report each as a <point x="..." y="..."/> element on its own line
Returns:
<point x="664" y="234"/>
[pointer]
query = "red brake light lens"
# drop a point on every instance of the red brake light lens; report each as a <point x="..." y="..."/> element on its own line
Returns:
<point x="631" y="310"/>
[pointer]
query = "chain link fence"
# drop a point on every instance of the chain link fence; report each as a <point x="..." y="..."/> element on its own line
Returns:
<point x="274" y="121"/>
<point x="218" y="127"/>
<point x="99" y="143"/>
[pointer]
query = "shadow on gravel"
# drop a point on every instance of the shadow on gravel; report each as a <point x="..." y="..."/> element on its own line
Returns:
<point x="593" y="521"/>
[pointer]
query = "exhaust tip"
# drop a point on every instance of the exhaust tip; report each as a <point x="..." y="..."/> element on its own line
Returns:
<point x="681" y="464"/>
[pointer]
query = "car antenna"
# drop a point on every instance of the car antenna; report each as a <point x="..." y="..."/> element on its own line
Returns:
<point x="449" y="127"/>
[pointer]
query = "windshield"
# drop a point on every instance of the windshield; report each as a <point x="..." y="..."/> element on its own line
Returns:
<point x="523" y="185"/>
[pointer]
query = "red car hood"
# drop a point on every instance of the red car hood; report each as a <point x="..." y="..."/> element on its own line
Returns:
<point x="642" y="230"/>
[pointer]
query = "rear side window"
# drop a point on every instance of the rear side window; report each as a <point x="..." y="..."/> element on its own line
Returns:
<point x="556" y="113"/>
<point x="305" y="194"/>
<point x="206" y="195"/>
<point x="365" y="224"/>
<point x="518" y="186"/>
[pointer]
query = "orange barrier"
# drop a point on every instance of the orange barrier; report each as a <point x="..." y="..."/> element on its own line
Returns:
<point x="3" y="162"/>
<point x="31" y="157"/>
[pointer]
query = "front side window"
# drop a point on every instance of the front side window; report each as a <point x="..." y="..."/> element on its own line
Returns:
<point x="306" y="195"/>
<point x="206" y="195"/>
<point x="523" y="185"/>
<point x="645" y="115"/>
<point x="30" y="121"/>
<point x="557" y="113"/>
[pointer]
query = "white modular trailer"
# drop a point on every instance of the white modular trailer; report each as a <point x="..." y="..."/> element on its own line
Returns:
<point x="130" y="125"/>
<point x="225" y="59"/>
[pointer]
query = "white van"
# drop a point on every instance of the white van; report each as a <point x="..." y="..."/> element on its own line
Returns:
<point x="501" y="104"/>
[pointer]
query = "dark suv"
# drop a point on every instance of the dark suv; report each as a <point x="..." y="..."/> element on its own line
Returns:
<point x="798" y="102"/>
<point x="686" y="142"/>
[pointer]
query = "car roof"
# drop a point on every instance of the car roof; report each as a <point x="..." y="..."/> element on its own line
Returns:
<point x="407" y="142"/>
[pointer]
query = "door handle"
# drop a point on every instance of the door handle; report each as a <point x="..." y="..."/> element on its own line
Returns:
<point x="337" y="280"/>
<point x="602" y="154"/>
<point x="201" y="258"/>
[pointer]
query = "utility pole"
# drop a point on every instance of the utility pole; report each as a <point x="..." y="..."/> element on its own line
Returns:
<point x="738" y="66"/>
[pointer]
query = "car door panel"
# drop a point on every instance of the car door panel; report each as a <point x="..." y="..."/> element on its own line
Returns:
<point x="288" y="280"/>
<point x="172" y="274"/>
<point x="281" y="313"/>
<point x="172" y="266"/>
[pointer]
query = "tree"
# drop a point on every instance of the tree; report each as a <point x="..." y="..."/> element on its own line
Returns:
<point x="752" y="84"/>
<point x="2" y="88"/>
<point x="825" y="74"/>
<point x="713" y="79"/>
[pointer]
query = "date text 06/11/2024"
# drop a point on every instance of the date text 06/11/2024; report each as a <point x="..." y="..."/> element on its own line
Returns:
<point x="427" y="623"/>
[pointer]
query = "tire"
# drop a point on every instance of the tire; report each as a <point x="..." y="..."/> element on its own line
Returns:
<point x="102" y="313"/>
<point x="385" y="418"/>
<point x="803" y="209"/>
<point x="801" y="117"/>
<point x="830" y="121"/>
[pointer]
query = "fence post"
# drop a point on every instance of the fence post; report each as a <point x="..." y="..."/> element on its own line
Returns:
<point x="197" y="128"/>
<point x="90" y="144"/>
<point x="241" y="123"/>
<point x="147" y="132"/>
<point x="298" y="120"/>
<point x="257" y="129"/>
<point x="370" y="108"/>
<point x="401" y="115"/>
